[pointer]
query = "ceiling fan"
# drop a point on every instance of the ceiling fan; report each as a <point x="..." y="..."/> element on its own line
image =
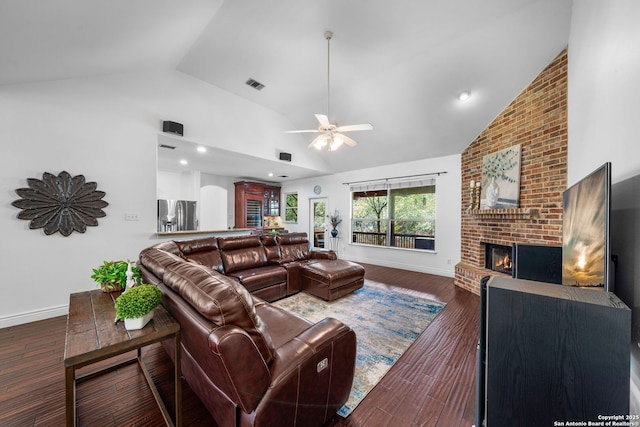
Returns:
<point x="331" y="136"/>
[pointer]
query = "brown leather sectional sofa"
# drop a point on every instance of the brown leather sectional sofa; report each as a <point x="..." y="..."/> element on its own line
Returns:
<point x="249" y="362"/>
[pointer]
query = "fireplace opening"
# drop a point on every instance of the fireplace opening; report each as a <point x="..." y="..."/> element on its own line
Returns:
<point x="498" y="258"/>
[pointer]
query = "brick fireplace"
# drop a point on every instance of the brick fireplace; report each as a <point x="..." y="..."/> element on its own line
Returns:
<point x="537" y="120"/>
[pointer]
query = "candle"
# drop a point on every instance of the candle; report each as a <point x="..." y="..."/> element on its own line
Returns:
<point x="472" y="184"/>
<point x="478" y="184"/>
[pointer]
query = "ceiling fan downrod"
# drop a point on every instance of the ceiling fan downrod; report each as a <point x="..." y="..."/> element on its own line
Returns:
<point x="328" y="35"/>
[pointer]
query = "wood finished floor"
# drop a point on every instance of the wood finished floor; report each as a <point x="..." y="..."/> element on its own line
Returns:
<point x="432" y="384"/>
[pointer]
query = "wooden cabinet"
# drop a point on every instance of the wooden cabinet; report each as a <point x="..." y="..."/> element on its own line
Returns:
<point x="254" y="201"/>
<point x="272" y="201"/>
<point x="554" y="354"/>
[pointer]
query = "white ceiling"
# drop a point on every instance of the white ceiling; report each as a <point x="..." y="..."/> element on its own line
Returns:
<point x="398" y="65"/>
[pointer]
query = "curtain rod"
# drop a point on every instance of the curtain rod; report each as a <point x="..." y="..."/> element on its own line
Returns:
<point x="395" y="177"/>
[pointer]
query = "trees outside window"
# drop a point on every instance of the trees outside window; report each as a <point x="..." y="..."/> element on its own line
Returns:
<point x="291" y="207"/>
<point x="395" y="217"/>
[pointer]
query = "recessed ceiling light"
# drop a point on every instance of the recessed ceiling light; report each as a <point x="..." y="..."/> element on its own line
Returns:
<point x="464" y="95"/>
<point x="183" y="162"/>
<point x="202" y="149"/>
<point x="270" y="173"/>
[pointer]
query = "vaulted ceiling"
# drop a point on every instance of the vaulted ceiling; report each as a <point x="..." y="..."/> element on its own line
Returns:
<point x="398" y="65"/>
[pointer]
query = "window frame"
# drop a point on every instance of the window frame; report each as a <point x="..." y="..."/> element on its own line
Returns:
<point x="387" y="219"/>
<point x="295" y="208"/>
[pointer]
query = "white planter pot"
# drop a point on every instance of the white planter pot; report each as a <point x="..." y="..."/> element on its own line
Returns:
<point x="138" y="322"/>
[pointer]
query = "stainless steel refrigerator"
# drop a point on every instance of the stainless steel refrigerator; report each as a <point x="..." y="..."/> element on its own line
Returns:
<point x="177" y="215"/>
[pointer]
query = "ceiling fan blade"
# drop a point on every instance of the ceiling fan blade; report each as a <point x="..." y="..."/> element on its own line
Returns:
<point x="303" y="131"/>
<point x="349" y="128"/>
<point x="324" y="120"/>
<point x="350" y="142"/>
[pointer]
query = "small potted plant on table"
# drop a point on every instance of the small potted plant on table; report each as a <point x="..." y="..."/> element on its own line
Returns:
<point x="135" y="306"/>
<point x="112" y="275"/>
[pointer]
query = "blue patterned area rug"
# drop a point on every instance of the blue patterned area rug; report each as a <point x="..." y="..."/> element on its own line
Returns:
<point x="386" y="320"/>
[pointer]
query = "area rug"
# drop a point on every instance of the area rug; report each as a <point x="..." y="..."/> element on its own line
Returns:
<point x="386" y="321"/>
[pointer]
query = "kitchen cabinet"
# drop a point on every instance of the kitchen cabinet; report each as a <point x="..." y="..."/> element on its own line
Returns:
<point x="254" y="201"/>
<point x="272" y="201"/>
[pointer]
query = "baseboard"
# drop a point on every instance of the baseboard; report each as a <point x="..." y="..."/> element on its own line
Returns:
<point x="33" y="316"/>
<point x="410" y="267"/>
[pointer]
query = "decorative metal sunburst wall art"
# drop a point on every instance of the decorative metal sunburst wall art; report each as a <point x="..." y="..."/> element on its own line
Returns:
<point x="60" y="203"/>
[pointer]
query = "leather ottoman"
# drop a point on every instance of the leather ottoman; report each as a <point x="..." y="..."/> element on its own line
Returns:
<point x="331" y="279"/>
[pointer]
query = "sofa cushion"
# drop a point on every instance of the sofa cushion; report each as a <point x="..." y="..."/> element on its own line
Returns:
<point x="156" y="261"/>
<point x="242" y="253"/>
<point x="261" y="277"/>
<point x="271" y="247"/>
<point x="221" y="300"/>
<point x="202" y="251"/>
<point x="294" y="246"/>
<point x="233" y="243"/>
<point x="188" y="247"/>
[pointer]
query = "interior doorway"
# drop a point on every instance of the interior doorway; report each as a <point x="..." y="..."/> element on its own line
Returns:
<point x="318" y="222"/>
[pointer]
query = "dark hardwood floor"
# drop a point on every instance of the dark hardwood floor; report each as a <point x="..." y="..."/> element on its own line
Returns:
<point x="432" y="384"/>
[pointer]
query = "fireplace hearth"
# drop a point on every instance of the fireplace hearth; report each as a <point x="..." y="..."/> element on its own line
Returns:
<point x="499" y="258"/>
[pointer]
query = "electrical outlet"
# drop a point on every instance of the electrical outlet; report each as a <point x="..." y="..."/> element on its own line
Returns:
<point x="128" y="216"/>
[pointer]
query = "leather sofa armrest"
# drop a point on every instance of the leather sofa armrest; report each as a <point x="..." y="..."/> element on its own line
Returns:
<point x="300" y="350"/>
<point x="313" y="373"/>
<point x="327" y="254"/>
<point x="241" y="371"/>
<point x="294" y="277"/>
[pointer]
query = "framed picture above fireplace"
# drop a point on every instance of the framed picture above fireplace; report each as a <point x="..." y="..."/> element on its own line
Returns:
<point x="585" y="231"/>
<point x="501" y="179"/>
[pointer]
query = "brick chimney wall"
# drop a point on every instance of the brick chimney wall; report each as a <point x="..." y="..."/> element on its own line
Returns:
<point x="537" y="120"/>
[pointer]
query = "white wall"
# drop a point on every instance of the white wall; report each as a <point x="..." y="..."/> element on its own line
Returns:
<point x="178" y="185"/>
<point x="604" y="71"/>
<point x="448" y="219"/>
<point x="105" y="128"/>
<point x="213" y="207"/>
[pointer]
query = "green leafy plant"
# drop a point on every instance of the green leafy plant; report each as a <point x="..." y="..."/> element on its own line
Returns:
<point x="137" y="301"/>
<point x="334" y="219"/>
<point x="112" y="274"/>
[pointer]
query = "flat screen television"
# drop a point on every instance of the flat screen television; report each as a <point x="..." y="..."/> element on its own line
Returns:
<point x="585" y="231"/>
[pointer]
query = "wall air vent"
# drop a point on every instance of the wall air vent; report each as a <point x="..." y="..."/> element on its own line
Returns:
<point x="254" y="84"/>
<point x="168" y="147"/>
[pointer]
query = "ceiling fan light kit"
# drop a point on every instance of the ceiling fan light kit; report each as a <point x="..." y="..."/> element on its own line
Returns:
<point x="332" y="137"/>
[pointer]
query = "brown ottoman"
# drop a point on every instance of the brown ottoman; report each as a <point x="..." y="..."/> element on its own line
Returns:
<point x="331" y="279"/>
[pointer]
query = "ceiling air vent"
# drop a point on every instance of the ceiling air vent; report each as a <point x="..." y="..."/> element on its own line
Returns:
<point x="168" y="147"/>
<point x="254" y="84"/>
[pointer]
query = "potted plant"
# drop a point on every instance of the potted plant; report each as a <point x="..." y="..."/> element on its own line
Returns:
<point x="135" y="305"/>
<point x="334" y="220"/>
<point x="112" y="275"/>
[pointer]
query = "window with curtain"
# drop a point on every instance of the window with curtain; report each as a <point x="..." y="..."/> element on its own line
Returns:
<point x="394" y="214"/>
<point x="291" y="207"/>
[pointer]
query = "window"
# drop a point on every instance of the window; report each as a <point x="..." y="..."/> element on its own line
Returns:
<point x="399" y="215"/>
<point x="291" y="207"/>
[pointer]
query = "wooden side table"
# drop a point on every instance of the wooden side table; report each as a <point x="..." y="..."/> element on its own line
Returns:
<point x="93" y="336"/>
